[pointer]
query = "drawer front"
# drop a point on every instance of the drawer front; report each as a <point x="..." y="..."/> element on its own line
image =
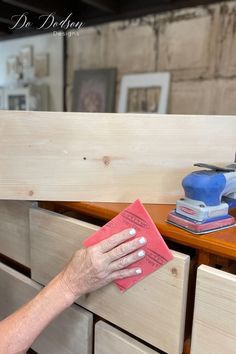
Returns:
<point x="70" y="333"/>
<point x="14" y="230"/>
<point x="153" y="309"/>
<point x="54" y="238"/>
<point x="214" y="322"/>
<point x="110" y="340"/>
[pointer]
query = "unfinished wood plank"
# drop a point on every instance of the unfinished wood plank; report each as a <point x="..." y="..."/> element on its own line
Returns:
<point x="69" y="333"/>
<point x="153" y="309"/>
<point x="110" y="340"/>
<point x="14" y="230"/>
<point x="107" y="157"/>
<point x="54" y="238"/>
<point x="214" y="324"/>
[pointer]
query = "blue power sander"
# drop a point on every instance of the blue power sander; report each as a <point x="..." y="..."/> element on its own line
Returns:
<point x="209" y="194"/>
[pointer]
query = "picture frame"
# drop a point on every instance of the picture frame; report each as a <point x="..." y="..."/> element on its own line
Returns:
<point x="2" y="102"/>
<point x="94" y="90"/>
<point x="144" y="93"/>
<point x="30" y="98"/>
<point x="26" y="56"/>
<point x="17" y="99"/>
<point x="12" y="66"/>
<point x="41" y="65"/>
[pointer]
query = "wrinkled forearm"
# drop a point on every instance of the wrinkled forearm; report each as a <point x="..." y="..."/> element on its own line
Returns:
<point x="19" y="330"/>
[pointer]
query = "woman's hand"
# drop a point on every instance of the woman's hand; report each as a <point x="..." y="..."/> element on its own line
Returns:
<point x="98" y="265"/>
<point x="89" y="269"/>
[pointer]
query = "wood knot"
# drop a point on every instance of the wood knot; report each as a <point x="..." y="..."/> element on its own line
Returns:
<point x="31" y="193"/>
<point x="106" y="160"/>
<point x="174" y="271"/>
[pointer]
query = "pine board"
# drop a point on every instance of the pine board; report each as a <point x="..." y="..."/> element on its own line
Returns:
<point x="107" y="157"/>
<point x="109" y="340"/>
<point x="14" y="230"/>
<point x="214" y="324"/>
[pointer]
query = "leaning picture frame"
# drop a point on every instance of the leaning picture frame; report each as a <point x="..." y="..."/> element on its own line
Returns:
<point x="94" y="90"/>
<point x="12" y="66"/>
<point x="144" y="93"/>
<point x="41" y="65"/>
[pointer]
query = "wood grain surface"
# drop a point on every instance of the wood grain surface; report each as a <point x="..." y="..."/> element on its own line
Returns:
<point x="214" y="325"/>
<point x="107" y="157"/>
<point x="109" y="340"/>
<point x="14" y="230"/>
<point x="70" y="333"/>
<point x="153" y="309"/>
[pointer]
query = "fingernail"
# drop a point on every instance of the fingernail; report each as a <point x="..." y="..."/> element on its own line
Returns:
<point x="141" y="253"/>
<point x="138" y="271"/>
<point x="132" y="232"/>
<point x="142" y="240"/>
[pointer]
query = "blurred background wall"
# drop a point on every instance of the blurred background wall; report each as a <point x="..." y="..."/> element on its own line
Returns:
<point x="196" y="45"/>
<point x="53" y="45"/>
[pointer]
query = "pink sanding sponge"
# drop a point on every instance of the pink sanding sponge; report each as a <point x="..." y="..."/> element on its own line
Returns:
<point x="156" y="250"/>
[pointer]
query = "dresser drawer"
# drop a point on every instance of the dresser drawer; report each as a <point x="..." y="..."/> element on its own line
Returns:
<point x="109" y="340"/>
<point x="153" y="309"/>
<point x="14" y="230"/>
<point x="70" y="333"/>
<point x="214" y="322"/>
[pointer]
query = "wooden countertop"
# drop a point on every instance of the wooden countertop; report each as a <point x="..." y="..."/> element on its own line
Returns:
<point x="222" y="243"/>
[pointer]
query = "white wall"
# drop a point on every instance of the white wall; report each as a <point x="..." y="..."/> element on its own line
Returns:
<point x="45" y="43"/>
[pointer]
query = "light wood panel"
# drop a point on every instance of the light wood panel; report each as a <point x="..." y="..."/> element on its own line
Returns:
<point x="109" y="340"/>
<point x="107" y="157"/>
<point x="153" y="309"/>
<point x="54" y="238"/>
<point x="14" y="230"/>
<point x="214" y="324"/>
<point x="70" y="333"/>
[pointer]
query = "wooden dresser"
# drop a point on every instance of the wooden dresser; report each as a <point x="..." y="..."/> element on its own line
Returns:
<point x="151" y="317"/>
